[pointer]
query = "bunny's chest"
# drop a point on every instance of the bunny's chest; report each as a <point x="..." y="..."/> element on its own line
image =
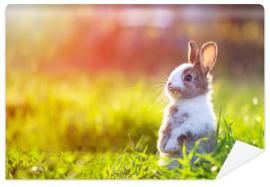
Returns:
<point x="178" y="117"/>
<point x="199" y="118"/>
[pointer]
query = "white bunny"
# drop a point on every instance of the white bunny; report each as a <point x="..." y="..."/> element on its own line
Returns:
<point x="190" y="115"/>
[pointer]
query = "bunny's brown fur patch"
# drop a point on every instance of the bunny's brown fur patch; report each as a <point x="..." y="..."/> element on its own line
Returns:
<point x="172" y="110"/>
<point x="199" y="84"/>
<point x="166" y="133"/>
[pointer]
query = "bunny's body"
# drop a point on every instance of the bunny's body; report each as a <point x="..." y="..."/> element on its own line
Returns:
<point x="190" y="115"/>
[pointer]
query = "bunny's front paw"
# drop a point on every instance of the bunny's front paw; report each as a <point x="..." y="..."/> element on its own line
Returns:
<point x="172" y="146"/>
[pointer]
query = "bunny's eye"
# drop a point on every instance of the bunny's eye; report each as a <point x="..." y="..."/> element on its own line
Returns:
<point x="188" y="78"/>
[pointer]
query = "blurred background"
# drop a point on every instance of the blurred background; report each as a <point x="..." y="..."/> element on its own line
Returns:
<point x="90" y="77"/>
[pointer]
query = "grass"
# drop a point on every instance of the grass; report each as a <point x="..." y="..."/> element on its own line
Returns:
<point x="95" y="127"/>
<point x="132" y="163"/>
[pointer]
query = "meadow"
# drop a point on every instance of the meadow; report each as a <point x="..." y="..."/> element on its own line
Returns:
<point x="89" y="126"/>
<point x="84" y="87"/>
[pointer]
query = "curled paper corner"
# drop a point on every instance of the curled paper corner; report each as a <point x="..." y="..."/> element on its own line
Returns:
<point x="240" y="154"/>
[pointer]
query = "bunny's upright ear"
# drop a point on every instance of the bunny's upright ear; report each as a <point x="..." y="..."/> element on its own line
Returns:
<point x="208" y="56"/>
<point x="193" y="52"/>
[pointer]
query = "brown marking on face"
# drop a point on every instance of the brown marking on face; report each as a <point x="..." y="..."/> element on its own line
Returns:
<point x="198" y="84"/>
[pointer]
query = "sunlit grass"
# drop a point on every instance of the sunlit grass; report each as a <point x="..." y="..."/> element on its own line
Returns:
<point x="78" y="126"/>
<point x="132" y="163"/>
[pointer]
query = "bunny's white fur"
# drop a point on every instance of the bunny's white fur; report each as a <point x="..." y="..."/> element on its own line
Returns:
<point x="176" y="76"/>
<point x="190" y="115"/>
<point x="198" y="112"/>
<point x="200" y="120"/>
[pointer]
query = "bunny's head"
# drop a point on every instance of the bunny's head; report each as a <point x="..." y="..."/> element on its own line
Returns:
<point x="192" y="79"/>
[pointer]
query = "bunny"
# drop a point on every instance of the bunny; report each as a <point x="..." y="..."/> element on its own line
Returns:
<point x="189" y="115"/>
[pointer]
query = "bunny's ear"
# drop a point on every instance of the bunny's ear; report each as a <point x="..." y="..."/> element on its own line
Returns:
<point x="208" y="56"/>
<point x="193" y="52"/>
